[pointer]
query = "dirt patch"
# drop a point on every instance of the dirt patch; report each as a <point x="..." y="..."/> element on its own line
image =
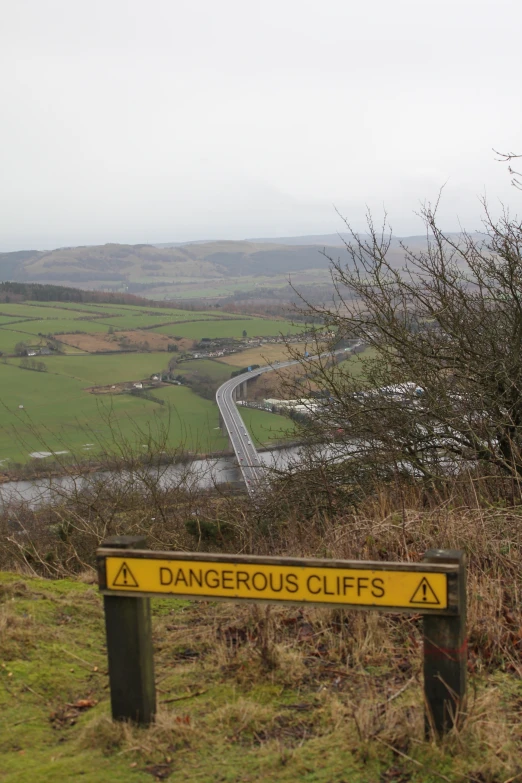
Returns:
<point x="280" y="384"/>
<point x="263" y="354"/>
<point x="138" y="339"/>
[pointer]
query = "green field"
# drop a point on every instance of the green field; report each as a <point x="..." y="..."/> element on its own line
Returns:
<point x="170" y="311"/>
<point x="125" y="308"/>
<point x="36" y="311"/>
<point x="102" y="310"/>
<point x="60" y="415"/>
<point x="9" y="338"/>
<point x="58" y="318"/>
<point x="52" y="326"/>
<point x="266" y="428"/>
<point x="354" y="364"/>
<point x="80" y="307"/>
<point x="58" y="412"/>
<point x="100" y="370"/>
<point x="255" y="327"/>
<point x="133" y="321"/>
<point x="212" y="369"/>
<point x="5" y="320"/>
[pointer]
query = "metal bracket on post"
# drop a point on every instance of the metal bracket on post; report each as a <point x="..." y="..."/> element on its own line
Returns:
<point x="129" y="648"/>
<point x="445" y="652"/>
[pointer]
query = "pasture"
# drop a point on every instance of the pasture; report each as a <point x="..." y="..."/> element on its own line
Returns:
<point x="254" y="327"/>
<point x="99" y="370"/>
<point x="52" y="326"/>
<point x="79" y="307"/>
<point x="53" y="318"/>
<point x="127" y="308"/>
<point x="266" y="428"/>
<point x="35" y="311"/>
<point x="6" y="320"/>
<point x="205" y="367"/>
<point x="59" y="414"/>
<point x="9" y="338"/>
<point x="264" y="354"/>
<point x="136" y="321"/>
<point x="171" y="312"/>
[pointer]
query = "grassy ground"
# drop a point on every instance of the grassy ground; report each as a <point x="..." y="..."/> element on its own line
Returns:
<point x="5" y="320"/>
<point x="265" y="354"/>
<point x="126" y="309"/>
<point x="138" y="320"/>
<point x="205" y="367"/>
<point x="353" y="364"/>
<point x="54" y="326"/>
<point x="9" y="338"/>
<point x="202" y="287"/>
<point x="249" y="694"/>
<point x="245" y="695"/>
<point x="253" y="327"/>
<point x="172" y="312"/>
<point x="79" y="307"/>
<point x="104" y="370"/>
<point x="266" y="428"/>
<point x="35" y="310"/>
<point x="59" y="414"/>
<point x="66" y="320"/>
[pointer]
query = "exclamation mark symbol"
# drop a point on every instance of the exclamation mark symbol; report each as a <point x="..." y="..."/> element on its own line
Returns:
<point x="124" y="569"/>
<point x="424" y="596"/>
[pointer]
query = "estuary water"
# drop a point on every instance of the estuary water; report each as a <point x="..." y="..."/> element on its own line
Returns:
<point x="200" y="474"/>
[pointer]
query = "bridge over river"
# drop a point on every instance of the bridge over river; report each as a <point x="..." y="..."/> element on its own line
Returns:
<point x="252" y="470"/>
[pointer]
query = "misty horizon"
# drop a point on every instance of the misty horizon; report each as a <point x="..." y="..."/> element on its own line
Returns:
<point x="315" y="238"/>
<point x="176" y="122"/>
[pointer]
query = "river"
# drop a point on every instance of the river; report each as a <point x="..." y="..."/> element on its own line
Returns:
<point x="202" y="474"/>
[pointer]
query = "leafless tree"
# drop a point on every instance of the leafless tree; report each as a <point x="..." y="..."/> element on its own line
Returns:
<point x="440" y="385"/>
<point x="508" y="157"/>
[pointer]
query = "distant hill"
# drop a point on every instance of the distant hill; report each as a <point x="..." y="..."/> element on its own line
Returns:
<point x="152" y="269"/>
<point x="101" y="264"/>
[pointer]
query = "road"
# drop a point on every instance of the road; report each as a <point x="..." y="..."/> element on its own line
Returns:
<point x="253" y="472"/>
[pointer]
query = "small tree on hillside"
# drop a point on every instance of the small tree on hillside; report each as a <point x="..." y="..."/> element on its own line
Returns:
<point x="442" y="386"/>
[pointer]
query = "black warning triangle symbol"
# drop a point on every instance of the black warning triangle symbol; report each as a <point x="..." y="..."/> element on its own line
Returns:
<point x="424" y="594"/>
<point x="125" y="577"/>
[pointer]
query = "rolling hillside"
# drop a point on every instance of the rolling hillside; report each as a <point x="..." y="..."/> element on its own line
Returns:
<point x="193" y="270"/>
<point x="128" y="263"/>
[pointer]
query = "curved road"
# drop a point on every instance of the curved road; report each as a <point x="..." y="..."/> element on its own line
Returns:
<point x="245" y="451"/>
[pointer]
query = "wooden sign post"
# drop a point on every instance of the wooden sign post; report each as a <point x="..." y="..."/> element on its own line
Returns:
<point x="129" y="575"/>
<point x="445" y="653"/>
<point x="129" y="647"/>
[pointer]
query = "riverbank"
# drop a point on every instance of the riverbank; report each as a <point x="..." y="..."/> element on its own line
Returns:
<point x="36" y="471"/>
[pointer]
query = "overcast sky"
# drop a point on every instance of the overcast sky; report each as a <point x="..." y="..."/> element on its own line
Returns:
<point x="159" y="120"/>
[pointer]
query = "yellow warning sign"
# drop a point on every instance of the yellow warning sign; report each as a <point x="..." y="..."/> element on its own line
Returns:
<point x="424" y="594"/>
<point x="387" y="588"/>
<point x="125" y="577"/>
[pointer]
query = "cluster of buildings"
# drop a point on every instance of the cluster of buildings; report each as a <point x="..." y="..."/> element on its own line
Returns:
<point x="224" y="346"/>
